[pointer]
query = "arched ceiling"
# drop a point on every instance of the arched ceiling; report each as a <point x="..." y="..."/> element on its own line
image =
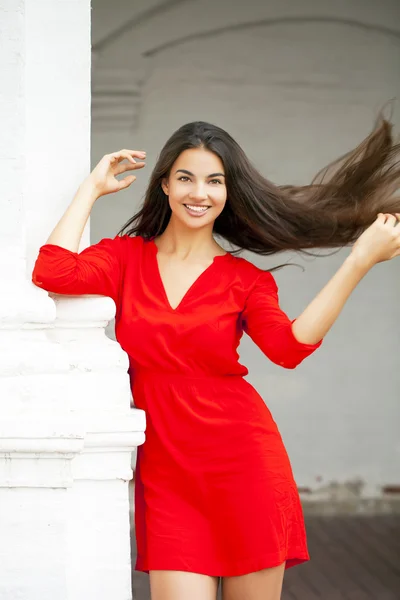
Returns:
<point x="126" y="34"/>
<point x="155" y="23"/>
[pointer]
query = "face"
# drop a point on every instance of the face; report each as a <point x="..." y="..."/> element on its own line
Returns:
<point x="196" y="188"/>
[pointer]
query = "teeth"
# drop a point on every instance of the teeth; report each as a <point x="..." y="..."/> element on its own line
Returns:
<point x="197" y="208"/>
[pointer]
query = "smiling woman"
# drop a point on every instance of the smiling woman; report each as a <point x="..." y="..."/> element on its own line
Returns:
<point x="208" y="505"/>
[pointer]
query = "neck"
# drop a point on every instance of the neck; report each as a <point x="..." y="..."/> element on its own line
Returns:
<point x="185" y="243"/>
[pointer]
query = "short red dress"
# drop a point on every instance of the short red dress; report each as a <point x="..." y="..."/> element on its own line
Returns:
<point x="214" y="492"/>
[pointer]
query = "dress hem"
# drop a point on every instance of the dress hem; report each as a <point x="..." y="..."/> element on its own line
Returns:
<point x="242" y="568"/>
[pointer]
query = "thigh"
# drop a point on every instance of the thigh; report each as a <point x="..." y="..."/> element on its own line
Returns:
<point x="261" y="585"/>
<point x="180" y="585"/>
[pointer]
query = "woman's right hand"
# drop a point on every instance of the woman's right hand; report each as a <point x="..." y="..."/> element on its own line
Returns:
<point x="103" y="176"/>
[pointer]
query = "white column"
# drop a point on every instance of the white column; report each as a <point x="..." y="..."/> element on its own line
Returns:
<point x="98" y="528"/>
<point x="35" y="474"/>
<point x="66" y="427"/>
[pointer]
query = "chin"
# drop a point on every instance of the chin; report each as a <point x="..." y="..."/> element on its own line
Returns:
<point x="197" y="223"/>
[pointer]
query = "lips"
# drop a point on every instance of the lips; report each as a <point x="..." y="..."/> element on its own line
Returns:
<point x="196" y="210"/>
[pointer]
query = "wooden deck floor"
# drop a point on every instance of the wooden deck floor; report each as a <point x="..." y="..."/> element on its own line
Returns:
<point x="352" y="558"/>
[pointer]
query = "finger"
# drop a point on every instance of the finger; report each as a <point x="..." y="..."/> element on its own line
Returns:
<point x="126" y="182"/>
<point x="381" y="218"/>
<point x="118" y="157"/>
<point x="129" y="154"/>
<point x="135" y="153"/>
<point x="123" y="167"/>
<point x="390" y="220"/>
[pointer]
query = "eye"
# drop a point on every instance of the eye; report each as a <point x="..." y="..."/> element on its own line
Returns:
<point x="215" y="181"/>
<point x="183" y="178"/>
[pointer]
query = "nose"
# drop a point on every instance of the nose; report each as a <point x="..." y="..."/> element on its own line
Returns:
<point x="198" y="192"/>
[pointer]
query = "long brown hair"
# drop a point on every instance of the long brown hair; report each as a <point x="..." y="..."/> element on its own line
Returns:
<point x="343" y="199"/>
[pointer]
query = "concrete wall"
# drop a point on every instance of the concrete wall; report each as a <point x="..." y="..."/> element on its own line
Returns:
<point x="296" y="86"/>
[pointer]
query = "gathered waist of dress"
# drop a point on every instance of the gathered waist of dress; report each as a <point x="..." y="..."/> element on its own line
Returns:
<point x="139" y="372"/>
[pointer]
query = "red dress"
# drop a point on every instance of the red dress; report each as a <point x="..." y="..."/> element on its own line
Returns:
<point x="215" y="492"/>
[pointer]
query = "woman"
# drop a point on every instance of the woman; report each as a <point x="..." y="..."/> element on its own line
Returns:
<point x="215" y="495"/>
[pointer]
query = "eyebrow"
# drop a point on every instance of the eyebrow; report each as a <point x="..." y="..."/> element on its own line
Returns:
<point x="192" y="174"/>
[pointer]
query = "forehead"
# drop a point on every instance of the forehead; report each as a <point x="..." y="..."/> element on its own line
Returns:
<point x="199" y="161"/>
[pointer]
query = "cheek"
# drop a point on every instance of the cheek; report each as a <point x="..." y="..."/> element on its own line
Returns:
<point x="176" y="193"/>
<point x="220" y="199"/>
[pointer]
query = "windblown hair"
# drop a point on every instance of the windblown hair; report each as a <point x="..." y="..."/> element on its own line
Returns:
<point x="343" y="199"/>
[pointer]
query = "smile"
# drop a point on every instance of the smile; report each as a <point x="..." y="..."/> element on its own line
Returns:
<point x="196" y="210"/>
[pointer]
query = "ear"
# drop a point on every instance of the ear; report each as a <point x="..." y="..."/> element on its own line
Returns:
<point x="164" y="185"/>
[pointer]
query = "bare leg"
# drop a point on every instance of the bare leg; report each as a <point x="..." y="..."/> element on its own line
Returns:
<point x="261" y="585"/>
<point x="180" y="585"/>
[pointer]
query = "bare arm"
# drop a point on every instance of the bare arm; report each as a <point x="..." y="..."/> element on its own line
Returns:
<point x="319" y="316"/>
<point x="380" y="242"/>
<point x="68" y="231"/>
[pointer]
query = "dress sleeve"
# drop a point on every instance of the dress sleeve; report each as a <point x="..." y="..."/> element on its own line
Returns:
<point x="270" y="328"/>
<point x="95" y="270"/>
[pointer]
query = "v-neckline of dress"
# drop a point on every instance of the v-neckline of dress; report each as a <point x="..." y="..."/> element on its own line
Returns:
<point x="195" y="283"/>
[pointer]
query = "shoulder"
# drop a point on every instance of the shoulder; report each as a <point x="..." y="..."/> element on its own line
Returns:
<point x="121" y="248"/>
<point x="128" y="240"/>
<point x="252" y="276"/>
<point x="127" y="245"/>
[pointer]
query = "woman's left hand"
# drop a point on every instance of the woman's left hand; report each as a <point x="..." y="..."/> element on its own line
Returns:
<point x="380" y="242"/>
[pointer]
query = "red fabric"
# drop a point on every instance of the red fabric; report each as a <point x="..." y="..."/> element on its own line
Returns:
<point x="215" y="492"/>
